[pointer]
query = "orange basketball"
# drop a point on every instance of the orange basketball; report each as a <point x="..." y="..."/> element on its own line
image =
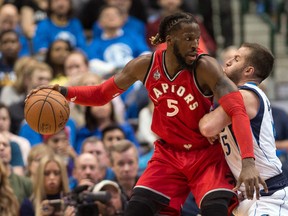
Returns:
<point x="47" y="111"/>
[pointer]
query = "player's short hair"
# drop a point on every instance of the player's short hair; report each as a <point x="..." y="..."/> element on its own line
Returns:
<point x="171" y="23"/>
<point x="261" y="59"/>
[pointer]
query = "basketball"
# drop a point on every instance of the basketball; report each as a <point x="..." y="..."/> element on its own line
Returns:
<point x="46" y="111"/>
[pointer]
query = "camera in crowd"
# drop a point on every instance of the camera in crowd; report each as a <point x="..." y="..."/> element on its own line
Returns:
<point x="84" y="200"/>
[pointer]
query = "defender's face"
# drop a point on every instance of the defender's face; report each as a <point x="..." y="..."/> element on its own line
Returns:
<point x="235" y="66"/>
<point x="185" y="43"/>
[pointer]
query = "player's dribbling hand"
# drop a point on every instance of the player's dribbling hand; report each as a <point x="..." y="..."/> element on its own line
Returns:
<point x="55" y="87"/>
<point x="250" y="177"/>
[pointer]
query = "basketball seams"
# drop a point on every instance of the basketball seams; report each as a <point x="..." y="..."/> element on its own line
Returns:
<point x="31" y="106"/>
<point x="60" y="104"/>
<point x="54" y="115"/>
<point x="55" y="99"/>
<point x="40" y="114"/>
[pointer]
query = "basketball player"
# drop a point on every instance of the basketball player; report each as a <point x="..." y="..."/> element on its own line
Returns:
<point x="181" y="83"/>
<point x="252" y="64"/>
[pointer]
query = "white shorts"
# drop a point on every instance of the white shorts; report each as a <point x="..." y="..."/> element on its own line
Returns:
<point x="274" y="205"/>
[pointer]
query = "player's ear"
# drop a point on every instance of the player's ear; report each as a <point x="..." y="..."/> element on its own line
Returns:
<point x="249" y="71"/>
<point x="168" y="40"/>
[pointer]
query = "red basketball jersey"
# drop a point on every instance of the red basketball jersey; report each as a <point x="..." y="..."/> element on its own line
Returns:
<point x="179" y="104"/>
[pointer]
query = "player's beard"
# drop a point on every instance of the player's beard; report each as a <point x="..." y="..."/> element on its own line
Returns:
<point x="180" y="58"/>
<point x="236" y="75"/>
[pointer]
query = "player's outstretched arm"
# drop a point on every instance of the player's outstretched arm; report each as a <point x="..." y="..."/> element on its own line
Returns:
<point x="210" y="73"/>
<point x="101" y="94"/>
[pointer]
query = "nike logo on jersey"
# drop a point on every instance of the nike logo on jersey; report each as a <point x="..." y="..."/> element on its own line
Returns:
<point x="73" y="99"/>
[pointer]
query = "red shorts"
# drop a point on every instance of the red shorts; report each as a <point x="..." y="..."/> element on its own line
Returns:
<point x="173" y="173"/>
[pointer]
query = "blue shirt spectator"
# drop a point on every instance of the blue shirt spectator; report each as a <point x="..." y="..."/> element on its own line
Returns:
<point x="47" y="32"/>
<point x="118" y="50"/>
<point x="131" y="26"/>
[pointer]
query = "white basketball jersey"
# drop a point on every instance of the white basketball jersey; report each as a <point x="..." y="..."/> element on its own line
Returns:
<point x="267" y="163"/>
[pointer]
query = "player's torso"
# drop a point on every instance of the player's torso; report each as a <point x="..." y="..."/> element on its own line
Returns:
<point x="266" y="161"/>
<point x="179" y="104"/>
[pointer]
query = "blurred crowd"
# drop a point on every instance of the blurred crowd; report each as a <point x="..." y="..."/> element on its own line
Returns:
<point x="106" y="148"/>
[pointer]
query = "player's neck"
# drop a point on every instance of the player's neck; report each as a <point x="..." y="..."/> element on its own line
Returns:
<point x="171" y="64"/>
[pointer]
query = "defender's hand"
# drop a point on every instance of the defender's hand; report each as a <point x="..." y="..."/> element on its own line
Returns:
<point x="250" y="177"/>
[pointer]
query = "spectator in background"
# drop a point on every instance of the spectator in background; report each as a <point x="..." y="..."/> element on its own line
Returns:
<point x="89" y="79"/>
<point x="84" y="7"/>
<point x="124" y="160"/>
<point x="9" y="20"/>
<point x="131" y="24"/>
<point x="17" y="3"/>
<point x="111" y="134"/>
<point x="117" y="202"/>
<point x="115" y="46"/>
<point x="35" y="74"/>
<point x="137" y="10"/>
<point x="95" y="146"/>
<point x="35" y="154"/>
<point x="9" y="205"/>
<point x="9" y="48"/>
<point x="96" y="119"/>
<point x="14" y="93"/>
<point x="59" y="143"/>
<point x="5" y="123"/>
<point x="86" y="171"/>
<point x="75" y="65"/>
<point x="56" y="54"/>
<point x="21" y="186"/>
<point x="52" y="183"/>
<point x="36" y="138"/>
<point x="16" y="162"/>
<point x="32" y="12"/>
<point x="60" y="24"/>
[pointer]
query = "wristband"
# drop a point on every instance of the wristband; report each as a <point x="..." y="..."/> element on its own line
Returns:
<point x="63" y="90"/>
